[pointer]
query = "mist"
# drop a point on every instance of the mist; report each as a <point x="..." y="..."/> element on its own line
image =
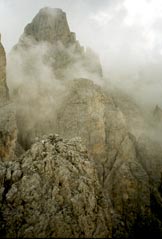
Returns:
<point x="126" y="35"/>
<point x="82" y="113"/>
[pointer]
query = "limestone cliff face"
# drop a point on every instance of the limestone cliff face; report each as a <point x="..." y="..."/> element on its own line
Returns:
<point x="82" y="113"/>
<point x="90" y="112"/>
<point x="8" y="129"/>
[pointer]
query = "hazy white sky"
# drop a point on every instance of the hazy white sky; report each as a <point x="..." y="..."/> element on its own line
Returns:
<point x="114" y="22"/>
<point x="127" y="34"/>
<point x="15" y="14"/>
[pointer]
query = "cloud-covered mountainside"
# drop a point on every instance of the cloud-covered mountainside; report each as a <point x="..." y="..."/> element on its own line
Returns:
<point x="101" y="178"/>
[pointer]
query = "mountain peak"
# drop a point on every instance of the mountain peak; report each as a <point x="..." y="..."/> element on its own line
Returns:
<point x="49" y="10"/>
<point x="51" y="25"/>
<point x="67" y="57"/>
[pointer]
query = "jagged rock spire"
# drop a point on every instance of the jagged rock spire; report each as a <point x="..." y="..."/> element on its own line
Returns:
<point x="50" y="24"/>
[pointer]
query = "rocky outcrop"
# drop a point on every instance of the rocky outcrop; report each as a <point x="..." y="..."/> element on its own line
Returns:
<point x="8" y="129"/>
<point x="56" y="182"/>
<point x="53" y="191"/>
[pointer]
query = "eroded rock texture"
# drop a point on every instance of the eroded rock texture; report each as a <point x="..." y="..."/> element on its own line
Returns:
<point x="53" y="191"/>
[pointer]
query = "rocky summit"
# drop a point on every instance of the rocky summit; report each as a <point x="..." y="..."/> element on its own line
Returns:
<point x="76" y="159"/>
<point x="50" y="25"/>
<point x="64" y="53"/>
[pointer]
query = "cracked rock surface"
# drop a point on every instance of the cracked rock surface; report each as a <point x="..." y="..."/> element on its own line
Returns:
<point x="52" y="191"/>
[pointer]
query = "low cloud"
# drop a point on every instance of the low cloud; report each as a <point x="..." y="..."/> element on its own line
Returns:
<point x="126" y="34"/>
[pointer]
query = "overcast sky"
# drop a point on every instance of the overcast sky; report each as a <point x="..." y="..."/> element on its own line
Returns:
<point x="127" y="34"/>
<point x="112" y="22"/>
